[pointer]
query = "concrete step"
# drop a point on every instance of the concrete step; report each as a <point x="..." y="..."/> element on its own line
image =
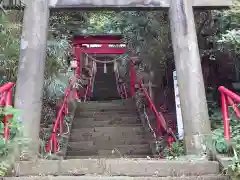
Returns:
<point x="112" y="156"/>
<point x="98" y="137"/>
<point x="117" y="167"/>
<point x="131" y="150"/>
<point x="107" y="131"/>
<point x="205" y="177"/>
<point x="110" y="110"/>
<point x="110" y="89"/>
<point x="112" y="103"/>
<point x="84" y="152"/>
<point x="102" y="143"/>
<point x="113" y="118"/>
<point x="120" y="152"/>
<point x="105" y="113"/>
<point x="110" y="130"/>
<point x="89" y="145"/>
<point x="91" y="124"/>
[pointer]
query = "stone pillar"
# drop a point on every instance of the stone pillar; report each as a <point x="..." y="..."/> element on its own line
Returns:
<point x="29" y="89"/>
<point x="189" y="75"/>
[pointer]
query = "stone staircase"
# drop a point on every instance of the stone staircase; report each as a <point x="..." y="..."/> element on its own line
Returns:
<point x="107" y="143"/>
<point x="107" y="129"/>
<point x="117" y="169"/>
<point x="105" y="87"/>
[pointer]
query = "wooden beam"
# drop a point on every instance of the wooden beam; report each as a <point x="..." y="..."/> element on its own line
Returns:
<point x="104" y="50"/>
<point x="80" y="4"/>
<point x="189" y="74"/>
<point x="29" y="89"/>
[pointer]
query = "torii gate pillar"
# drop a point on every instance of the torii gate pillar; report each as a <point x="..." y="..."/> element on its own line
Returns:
<point x="28" y="97"/>
<point x="197" y="131"/>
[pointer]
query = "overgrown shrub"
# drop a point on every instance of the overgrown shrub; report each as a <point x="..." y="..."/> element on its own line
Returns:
<point x="10" y="149"/>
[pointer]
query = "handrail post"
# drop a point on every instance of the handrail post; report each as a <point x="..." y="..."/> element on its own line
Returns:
<point x="6" y="119"/>
<point x="78" y="59"/>
<point x="225" y="117"/>
<point x="132" y="78"/>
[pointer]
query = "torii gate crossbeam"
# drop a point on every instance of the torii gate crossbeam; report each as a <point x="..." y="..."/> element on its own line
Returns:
<point x="186" y="53"/>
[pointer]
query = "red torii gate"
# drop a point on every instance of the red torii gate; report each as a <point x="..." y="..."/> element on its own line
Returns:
<point x="96" y="44"/>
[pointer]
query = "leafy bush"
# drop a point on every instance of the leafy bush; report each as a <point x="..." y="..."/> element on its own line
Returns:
<point x="233" y="170"/>
<point x="175" y="151"/>
<point x="220" y="144"/>
<point x="10" y="150"/>
<point x="218" y="131"/>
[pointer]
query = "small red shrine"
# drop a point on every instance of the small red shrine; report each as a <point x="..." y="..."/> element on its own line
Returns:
<point x="95" y="45"/>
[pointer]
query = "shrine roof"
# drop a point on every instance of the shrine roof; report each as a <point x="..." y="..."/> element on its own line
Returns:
<point x="100" y="36"/>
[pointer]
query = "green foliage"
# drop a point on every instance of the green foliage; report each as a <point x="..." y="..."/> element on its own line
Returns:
<point x="225" y="148"/>
<point x="218" y="131"/>
<point x="10" y="149"/>
<point x="233" y="170"/>
<point x="175" y="151"/>
<point x="9" y="49"/>
<point x="230" y="32"/>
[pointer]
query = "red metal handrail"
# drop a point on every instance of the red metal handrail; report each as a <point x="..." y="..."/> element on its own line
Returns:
<point x="160" y="119"/>
<point x="6" y="100"/>
<point x="161" y="122"/>
<point x="228" y="98"/>
<point x="90" y="85"/>
<point x="53" y="144"/>
<point x="122" y="90"/>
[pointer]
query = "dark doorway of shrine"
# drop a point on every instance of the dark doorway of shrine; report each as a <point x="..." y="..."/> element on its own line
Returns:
<point x="105" y="87"/>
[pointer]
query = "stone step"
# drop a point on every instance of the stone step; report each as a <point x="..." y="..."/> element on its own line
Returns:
<point x="90" y="145"/>
<point x="110" y="89"/>
<point x="117" y="167"/>
<point x="120" y="152"/>
<point x="109" y="109"/>
<point x="105" y="113"/>
<point x="106" y="93"/>
<point x="112" y="156"/>
<point x="112" y="119"/>
<point x="205" y="177"/>
<point x="97" y="137"/>
<point x="125" y="151"/>
<point x="107" y="131"/>
<point x="101" y="143"/>
<point x="109" y="153"/>
<point x="84" y="152"/>
<point x="125" y="102"/>
<point x="91" y="124"/>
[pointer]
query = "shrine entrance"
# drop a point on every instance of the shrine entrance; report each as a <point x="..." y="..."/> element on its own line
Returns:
<point x="105" y="87"/>
<point x="102" y="53"/>
<point x="184" y="43"/>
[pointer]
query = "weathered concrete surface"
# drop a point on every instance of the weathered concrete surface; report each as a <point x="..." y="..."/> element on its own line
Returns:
<point x="120" y="3"/>
<point x="117" y="133"/>
<point x="208" y="177"/>
<point x="189" y="72"/>
<point x="117" y="167"/>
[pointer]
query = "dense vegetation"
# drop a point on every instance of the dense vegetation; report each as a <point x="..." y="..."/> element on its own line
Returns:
<point x="147" y="35"/>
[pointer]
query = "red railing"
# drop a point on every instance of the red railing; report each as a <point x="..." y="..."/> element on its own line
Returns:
<point x="6" y="100"/>
<point x="228" y="98"/>
<point x="90" y="85"/>
<point x="53" y="143"/>
<point x="162" y="128"/>
<point x="57" y="129"/>
<point x="121" y="86"/>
